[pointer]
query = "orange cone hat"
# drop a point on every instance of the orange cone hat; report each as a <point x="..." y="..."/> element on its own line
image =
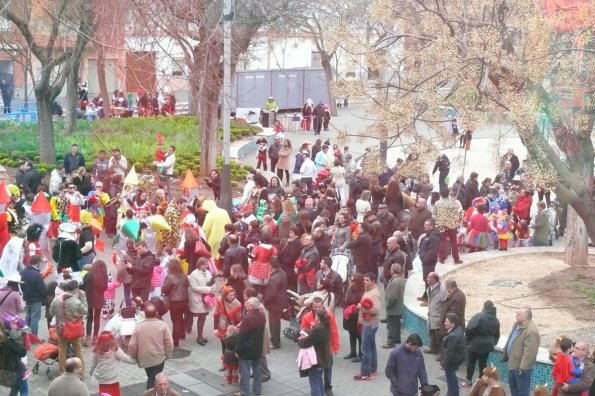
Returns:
<point x="4" y="198"/>
<point x="41" y="204"/>
<point x="189" y="181"/>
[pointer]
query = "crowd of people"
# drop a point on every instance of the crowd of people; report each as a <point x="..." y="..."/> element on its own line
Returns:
<point x="181" y="254"/>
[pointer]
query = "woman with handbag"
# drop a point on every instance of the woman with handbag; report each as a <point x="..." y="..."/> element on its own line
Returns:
<point x="228" y="311"/>
<point x="11" y="372"/>
<point x="200" y="282"/>
<point x="175" y="290"/>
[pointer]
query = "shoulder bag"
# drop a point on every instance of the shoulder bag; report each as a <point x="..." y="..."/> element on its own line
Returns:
<point x="71" y="330"/>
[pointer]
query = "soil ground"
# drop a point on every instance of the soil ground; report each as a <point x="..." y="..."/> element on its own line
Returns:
<point x="562" y="298"/>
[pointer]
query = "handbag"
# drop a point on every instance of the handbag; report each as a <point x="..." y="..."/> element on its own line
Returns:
<point x="200" y="249"/>
<point x="71" y="330"/>
<point x="8" y="378"/>
<point x="209" y="300"/>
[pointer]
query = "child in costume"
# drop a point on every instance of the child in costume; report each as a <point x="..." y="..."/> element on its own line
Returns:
<point x="21" y="333"/>
<point x="261" y="154"/>
<point x="504" y="227"/>
<point x="104" y="363"/>
<point x="522" y="233"/>
<point x="109" y="298"/>
<point x="230" y="360"/>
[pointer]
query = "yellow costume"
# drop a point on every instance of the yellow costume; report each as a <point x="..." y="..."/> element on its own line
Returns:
<point x="214" y="225"/>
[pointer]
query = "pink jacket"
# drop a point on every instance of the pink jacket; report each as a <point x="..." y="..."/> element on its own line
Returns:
<point x="157" y="279"/>
<point x="110" y="292"/>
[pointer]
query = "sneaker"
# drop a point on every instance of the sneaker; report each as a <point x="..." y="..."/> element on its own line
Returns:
<point x="465" y="384"/>
<point x="356" y="359"/>
<point x="388" y="346"/>
<point x="360" y="377"/>
<point x="458" y="261"/>
<point x="374" y="374"/>
<point x="421" y="299"/>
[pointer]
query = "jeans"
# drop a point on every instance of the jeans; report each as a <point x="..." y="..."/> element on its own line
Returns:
<point x="452" y="382"/>
<point x="32" y="315"/>
<point x="275" y="328"/>
<point x="152" y="372"/>
<point x="245" y="366"/>
<point x="127" y="295"/>
<point x="88" y="259"/>
<point x="472" y="357"/>
<point x="519" y="382"/>
<point x="21" y="387"/>
<point x="393" y="327"/>
<point x="370" y="357"/>
<point x="328" y="373"/>
<point x="316" y="384"/>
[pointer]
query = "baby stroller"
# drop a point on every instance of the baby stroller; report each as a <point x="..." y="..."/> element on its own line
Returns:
<point x="47" y="353"/>
<point x="290" y="314"/>
<point x="342" y="264"/>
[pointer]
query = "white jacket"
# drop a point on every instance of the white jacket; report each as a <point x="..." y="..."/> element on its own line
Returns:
<point x="55" y="182"/>
<point x="198" y="281"/>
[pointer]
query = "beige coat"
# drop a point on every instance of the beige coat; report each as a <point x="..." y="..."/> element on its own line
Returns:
<point x="435" y="298"/>
<point x="523" y="352"/>
<point x="284" y="159"/>
<point x="198" y="281"/>
<point x="151" y="343"/>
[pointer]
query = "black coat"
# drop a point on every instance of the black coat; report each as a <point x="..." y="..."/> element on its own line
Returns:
<point x="12" y="351"/>
<point x="428" y="247"/>
<point x="352" y="298"/>
<point x="471" y="192"/>
<point x="483" y="331"/>
<point x="66" y="253"/>
<point x="320" y="339"/>
<point x="274" y="296"/>
<point x="142" y="271"/>
<point x="453" y="349"/>
<point x="235" y="254"/>
<point x="250" y="335"/>
<point x="361" y="252"/>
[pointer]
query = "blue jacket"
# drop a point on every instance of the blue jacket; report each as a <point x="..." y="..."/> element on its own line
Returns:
<point x="404" y="368"/>
<point x="33" y="288"/>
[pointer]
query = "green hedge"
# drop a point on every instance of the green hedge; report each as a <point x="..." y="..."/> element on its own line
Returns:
<point x="134" y="136"/>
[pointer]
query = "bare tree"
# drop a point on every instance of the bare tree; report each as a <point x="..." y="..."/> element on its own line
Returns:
<point x="196" y="28"/>
<point x="491" y="58"/>
<point x="56" y="34"/>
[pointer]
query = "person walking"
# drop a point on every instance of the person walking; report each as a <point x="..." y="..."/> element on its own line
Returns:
<point x="482" y="333"/>
<point x="104" y="363"/>
<point x="319" y="338"/>
<point x="369" y="309"/>
<point x="394" y="295"/>
<point x="175" y="290"/>
<point x="34" y="291"/>
<point x="405" y="367"/>
<point x="273" y="301"/>
<point x="520" y="352"/>
<point x="452" y="353"/>
<point x="151" y="344"/>
<point x="249" y="347"/>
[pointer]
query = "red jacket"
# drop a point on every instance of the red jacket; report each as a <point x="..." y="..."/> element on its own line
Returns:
<point x="308" y="321"/>
<point x="522" y="206"/>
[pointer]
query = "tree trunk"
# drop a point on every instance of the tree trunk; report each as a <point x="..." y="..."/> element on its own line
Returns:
<point x="328" y="73"/>
<point x="209" y="104"/>
<point x="383" y="151"/>
<point x="45" y="129"/>
<point x="577" y="240"/>
<point x="71" y="99"/>
<point x="102" y="82"/>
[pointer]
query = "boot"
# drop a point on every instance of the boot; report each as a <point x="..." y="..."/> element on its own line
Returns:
<point x="86" y="341"/>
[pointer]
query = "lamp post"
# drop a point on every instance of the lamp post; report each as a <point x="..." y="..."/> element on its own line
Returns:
<point x="226" y="199"/>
